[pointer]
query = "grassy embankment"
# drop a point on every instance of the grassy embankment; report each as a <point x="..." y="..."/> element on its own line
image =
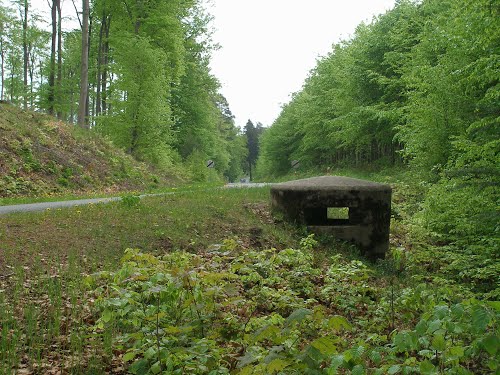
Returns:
<point x="45" y="159"/>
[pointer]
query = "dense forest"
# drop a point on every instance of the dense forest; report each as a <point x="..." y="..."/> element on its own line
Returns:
<point x="416" y="88"/>
<point x="149" y="86"/>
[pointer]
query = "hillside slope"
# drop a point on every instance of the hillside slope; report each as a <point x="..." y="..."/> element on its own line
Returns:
<point x="42" y="156"/>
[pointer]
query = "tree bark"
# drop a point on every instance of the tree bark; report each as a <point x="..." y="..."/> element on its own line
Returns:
<point x="52" y="67"/>
<point x="89" y="86"/>
<point x="2" y="52"/>
<point x="99" y="64"/>
<point x="84" y="76"/>
<point x="25" y="54"/>
<point x="104" y="79"/>
<point x="59" y="61"/>
<point x="31" y="71"/>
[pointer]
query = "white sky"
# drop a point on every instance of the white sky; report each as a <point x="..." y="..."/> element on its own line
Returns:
<point x="269" y="46"/>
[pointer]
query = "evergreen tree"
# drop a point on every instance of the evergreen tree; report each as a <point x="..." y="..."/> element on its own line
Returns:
<point x="252" y="134"/>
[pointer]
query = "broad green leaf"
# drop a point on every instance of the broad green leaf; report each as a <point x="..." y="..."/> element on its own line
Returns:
<point x="172" y="330"/>
<point x="139" y="367"/>
<point x="401" y="341"/>
<point x="480" y="318"/>
<point x="337" y="361"/>
<point x="298" y="315"/>
<point x="277" y="365"/>
<point x="494" y="304"/>
<point x="150" y="353"/>
<point x="129" y="356"/>
<point x="248" y="370"/>
<point x="441" y="311"/>
<point x="493" y="364"/>
<point x="434" y="326"/>
<point x="231" y="290"/>
<point x="375" y="357"/>
<point x="337" y="322"/>
<point x="325" y="345"/>
<point x="421" y="327"/>
<point x="394" y="369"/>
<point x="358" y="370"/>
<point x="348" y="355"/>
<point x="438" y="342"/>
<point x="156" y="368"/>
<point x="246" y="359"/>
<point x="267" y="333"/>
<point x="107" y="315"/>
<point x="358" y="351"/>
<point x="457" y="310"/>
<point x="156" y="316"/>
<point x="426" y="353"/>
<point x="456" y="351"/>
<point x="427" y="368"/>
<point x="491" y="343"/>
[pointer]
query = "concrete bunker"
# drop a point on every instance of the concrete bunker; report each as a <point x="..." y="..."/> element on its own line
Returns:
<point x="347" y="208"/>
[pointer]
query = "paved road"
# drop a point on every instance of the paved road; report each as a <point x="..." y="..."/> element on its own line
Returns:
<point x="80" y="202"/>
<point x="247" y="184"/>
<point x="52" y="205"/>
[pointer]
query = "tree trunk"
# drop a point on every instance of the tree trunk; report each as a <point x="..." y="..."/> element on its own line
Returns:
<point x="84" y="76"/>
<point x="104" y="79"/>
<point x="25" y="54"/>
<point x="31" y="71"/>
<point x="52" y="67"/>
<point x="59" y="62"/>
<point x="99" y="65"/>
<point x="87" y="105"/>
<point x="2" y="52"/>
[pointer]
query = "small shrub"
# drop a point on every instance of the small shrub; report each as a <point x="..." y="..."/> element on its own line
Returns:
<point x="131" y="200"/>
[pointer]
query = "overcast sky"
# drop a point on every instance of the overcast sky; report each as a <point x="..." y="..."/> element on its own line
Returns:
<point x="269" y="47"/>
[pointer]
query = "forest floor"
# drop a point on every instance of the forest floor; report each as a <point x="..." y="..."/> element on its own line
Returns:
<point x="55" y="316"/>
<point x="44" y="257"/>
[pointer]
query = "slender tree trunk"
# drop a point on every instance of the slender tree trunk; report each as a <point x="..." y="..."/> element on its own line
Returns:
<point x="31" y="70"/>
<point x="40" y="73"/>
<point x="12" y="85"/>
<point x="25" y="54"/>
<point x="84" y="76"/>
<point x="52" y="67"/>
<point x="59" y="62"/>
<point x="99" y="65"/>
<point x="89" y="86"/>
<point x="72" y="104"/>
<point x="104" y="79"/>
<point x="102" y="64"/>
<point x="2" y="52"/>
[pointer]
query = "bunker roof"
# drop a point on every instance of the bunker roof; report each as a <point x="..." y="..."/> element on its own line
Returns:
<point x="331" y="183"/>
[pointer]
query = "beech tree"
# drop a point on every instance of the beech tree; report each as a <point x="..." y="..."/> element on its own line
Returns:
<point x="84" y="67"/>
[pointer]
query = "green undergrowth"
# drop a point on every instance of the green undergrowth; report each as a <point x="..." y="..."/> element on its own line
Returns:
<point x="215" y="284"/>
<point x="45" y="256"/>
<point x="231" y="309"/>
